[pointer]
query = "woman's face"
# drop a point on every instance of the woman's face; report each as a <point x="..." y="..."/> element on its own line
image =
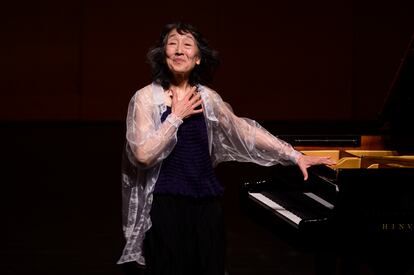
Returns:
<point x="181" y="52"/>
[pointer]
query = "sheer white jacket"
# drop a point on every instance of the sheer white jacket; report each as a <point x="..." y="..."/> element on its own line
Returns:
<point x="149" y="141"/>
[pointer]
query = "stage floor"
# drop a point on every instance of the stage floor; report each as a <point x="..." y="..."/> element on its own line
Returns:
<point x="61" y="206"/>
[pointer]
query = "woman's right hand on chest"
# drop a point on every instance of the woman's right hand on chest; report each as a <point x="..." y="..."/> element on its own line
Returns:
<point x="188" y="105"/>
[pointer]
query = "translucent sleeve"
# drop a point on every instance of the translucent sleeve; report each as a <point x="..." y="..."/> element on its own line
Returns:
<point x="150" y="140"/>
<point x="243" y="139"/>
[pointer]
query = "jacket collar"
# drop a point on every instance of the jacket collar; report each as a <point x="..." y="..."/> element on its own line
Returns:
<point x="158" y="97"/>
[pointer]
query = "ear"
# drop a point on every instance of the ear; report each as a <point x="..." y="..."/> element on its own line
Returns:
<point x="198" y="61"/>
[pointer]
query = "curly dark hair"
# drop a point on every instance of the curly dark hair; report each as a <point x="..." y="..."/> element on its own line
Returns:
<point x="201" y="74"/>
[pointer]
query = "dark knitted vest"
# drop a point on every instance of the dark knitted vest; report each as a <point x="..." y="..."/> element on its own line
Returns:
<point x="188" y="169"/>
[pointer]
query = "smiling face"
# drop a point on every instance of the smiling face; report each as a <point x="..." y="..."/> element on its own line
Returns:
<point x="182" y="53"/>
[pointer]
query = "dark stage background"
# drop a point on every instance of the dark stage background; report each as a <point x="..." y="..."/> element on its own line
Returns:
<point x="69" y="68"/>
<point x="282" y="60"/>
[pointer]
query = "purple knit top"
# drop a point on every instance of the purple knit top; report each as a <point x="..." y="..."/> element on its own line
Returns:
<point x="188" y="170"/>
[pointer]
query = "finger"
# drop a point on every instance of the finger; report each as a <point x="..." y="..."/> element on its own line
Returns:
<point x="304" y="172"/>
<point x="197" y="111"/>
<point x="193" y="89"/>
<point x="174" y="96"/>
<point x="330" y="162"/>
<point x="196" y="104"/>
<point x="194" y="98"/>
<point x="327" y="161"/>
<point x="189" y="94"/>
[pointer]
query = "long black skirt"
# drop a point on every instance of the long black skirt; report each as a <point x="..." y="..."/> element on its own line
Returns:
<point x="186" y="238"/>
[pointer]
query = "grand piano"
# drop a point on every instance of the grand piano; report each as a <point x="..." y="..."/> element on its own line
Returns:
<point x="360" y="210"/>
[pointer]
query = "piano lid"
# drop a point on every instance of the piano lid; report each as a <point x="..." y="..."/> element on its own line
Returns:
<point x="397" y="115"/>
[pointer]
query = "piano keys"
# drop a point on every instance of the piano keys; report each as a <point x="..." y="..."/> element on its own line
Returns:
<point x="355" y="170"/>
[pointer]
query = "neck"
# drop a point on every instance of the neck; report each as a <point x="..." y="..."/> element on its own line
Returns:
<point x="180" y="81"/>
<point x="180" y="85"/>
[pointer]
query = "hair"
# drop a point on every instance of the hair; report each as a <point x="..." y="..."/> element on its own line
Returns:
<point x="201" y="74"/>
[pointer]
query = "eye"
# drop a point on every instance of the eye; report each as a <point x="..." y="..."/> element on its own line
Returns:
<point x="171" y="41"/>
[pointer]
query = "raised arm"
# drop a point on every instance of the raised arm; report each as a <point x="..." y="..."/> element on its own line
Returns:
<point x="246" y="140"/>
<point x="255" y="141"/>
<point x="150" y="140"/>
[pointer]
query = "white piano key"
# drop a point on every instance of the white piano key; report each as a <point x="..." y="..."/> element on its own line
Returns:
<point x="319" y="199"/>
<point x="276" y="207"/>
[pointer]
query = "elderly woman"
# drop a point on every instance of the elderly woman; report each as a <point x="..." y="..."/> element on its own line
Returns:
<point x="178" y="130"/>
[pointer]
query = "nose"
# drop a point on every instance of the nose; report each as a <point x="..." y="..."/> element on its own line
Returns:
<point x="178" y="50"/>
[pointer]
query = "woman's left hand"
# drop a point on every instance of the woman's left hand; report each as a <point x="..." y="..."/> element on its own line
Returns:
<point x="304" y="162"/>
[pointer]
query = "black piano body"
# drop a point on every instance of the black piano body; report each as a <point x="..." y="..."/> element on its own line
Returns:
<point x="362" y="208"/>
